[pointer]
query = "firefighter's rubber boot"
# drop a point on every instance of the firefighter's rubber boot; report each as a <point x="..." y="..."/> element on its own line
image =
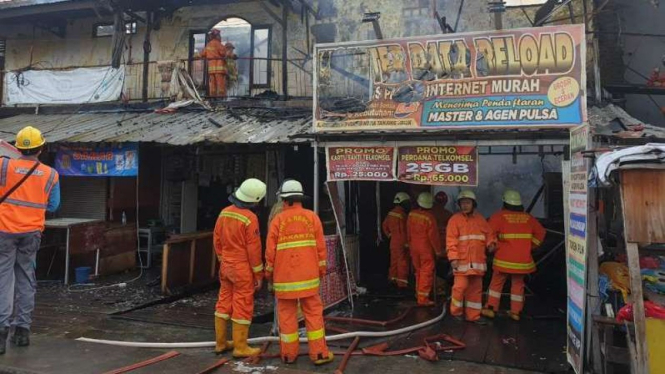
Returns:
<point x="489" y="313"/>
<point x="21" y="337"/>
<point x="4" y="333"/>
<point x="240" y="347"/>
<point x="514" y="316"/>
<point x="221" y="344"/>
<point x="324" y="360"/>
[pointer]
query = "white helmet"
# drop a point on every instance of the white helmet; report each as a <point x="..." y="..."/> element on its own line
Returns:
<point x="251" y="191"/>
<point x="291" y="187"/>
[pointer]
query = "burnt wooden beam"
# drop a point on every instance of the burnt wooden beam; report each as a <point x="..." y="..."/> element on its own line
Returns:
<point x="285" y="51"/>
<point x="271" y="13"/>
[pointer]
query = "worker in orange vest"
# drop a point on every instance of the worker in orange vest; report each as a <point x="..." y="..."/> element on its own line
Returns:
<point x="30" y="189"/>
<point x="394" y="227"/>
<point x="468" y="236"/>
<point x="424" y="244"/>
<point x="237" y="243"/>
<point x="296" y="260"/>
<point x="519" y="233"/>
<point x="216" y="54"/>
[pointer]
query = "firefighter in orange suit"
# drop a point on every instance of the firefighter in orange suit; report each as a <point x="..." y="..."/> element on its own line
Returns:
<point x="519" y="233"/>
<point x="215" y="53"/>
<point x="468" y="236"/>
<point x="238" y="246"/>
<point x="394" y="226"/>
<point x="424" y="243"/>
<point x="295" y="264"/>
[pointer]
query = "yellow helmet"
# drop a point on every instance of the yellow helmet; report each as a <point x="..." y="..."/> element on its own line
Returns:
<point x="426" y="200"/>
<point x="29" y="138"/>
<point x="512" y="197"/>
<point x="466" y="194"/>
<point x="401" y="197"/>
<point x="251" y="191"/>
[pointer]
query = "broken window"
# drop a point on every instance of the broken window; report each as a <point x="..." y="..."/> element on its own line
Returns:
<point x="106" y="29"/>
<point x="261" y="57"/>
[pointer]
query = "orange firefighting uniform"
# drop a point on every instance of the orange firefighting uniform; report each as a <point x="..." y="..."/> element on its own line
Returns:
<point x="296" y="261"/>
<point x="394" y="226"/>
<point x="467" y="238"/>
<point x="442" y="215"/>
<point x="423" y="238"/>
<point x="238" y="247"/>
<point x="518" y="234"/>
<point x="215" y="53"/>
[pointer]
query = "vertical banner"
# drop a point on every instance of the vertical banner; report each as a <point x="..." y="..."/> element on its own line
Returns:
<point x="576" y="247"/>
<point x="360" y="163"/>
<point x="113" y="160"/>
<point x="454" y="165"/>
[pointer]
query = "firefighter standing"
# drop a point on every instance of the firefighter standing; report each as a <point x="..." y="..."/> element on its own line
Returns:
<point x="467" y="238"/>
<point x="238" y="247"/>
<point x="424" y="243"/>
<point x="519" y="233"/>
<point x="36" y="190"/>
<point x="295" y="263"/>
<point x="215" y="53"/>
<point x="394" y="226"/>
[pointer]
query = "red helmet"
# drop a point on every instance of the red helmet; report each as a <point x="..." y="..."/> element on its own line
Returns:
<point x="441" y="197"/>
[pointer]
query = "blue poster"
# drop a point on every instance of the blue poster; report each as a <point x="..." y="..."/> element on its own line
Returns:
<point x="99" y="160"/>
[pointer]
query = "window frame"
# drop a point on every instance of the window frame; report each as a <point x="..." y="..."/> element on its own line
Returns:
<point x="128" y="22"/>
<point x="252" y="84"/>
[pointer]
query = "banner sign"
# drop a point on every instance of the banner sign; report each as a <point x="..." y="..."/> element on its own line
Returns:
<point x="119" y="160"/>
<point x="360" y="163"/>
<point x="75" y="86"/>
<point x="577" y="246"/>
<point x="497" y="79"/>
<point x="438" y="165"/>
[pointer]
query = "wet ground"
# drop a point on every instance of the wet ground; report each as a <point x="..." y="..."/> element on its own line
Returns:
<point x="138" y="312"/>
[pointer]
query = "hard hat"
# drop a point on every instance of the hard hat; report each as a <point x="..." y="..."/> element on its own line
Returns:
<point x="29" y="138"/>
<point x="291" y="187"/>
<point x="441" y="197"/>
<point x="251" y="191"/>
<point x="401" y="197"/>
<point x="466" y="194"/>
<point x="426" y="200"/>
<point x="512" y="197"/>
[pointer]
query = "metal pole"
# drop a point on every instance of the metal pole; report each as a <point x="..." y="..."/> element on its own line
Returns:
<point x="146" y="57"/>
<point x="285" y="65"/>
<point x="67" y="258"/>
<point x="316" y="177"/>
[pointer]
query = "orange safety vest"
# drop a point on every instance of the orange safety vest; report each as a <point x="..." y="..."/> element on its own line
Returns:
<point x="422" y="232"/>
<point x="518" y="233"/>
<point x="467" y="238"/>
<point x="394" y="226"/>
<point x="25" y="209"/>
<point x="215" y="53"/>
<point x="238" y="240"/>
<point x="295" y="251"/>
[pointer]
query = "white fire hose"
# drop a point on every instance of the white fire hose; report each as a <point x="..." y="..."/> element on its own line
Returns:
<point x="263" y="339"/>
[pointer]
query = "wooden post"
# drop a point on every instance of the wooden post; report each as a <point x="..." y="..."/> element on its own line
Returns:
<point x="285" y="50"/>
<point x="146" y="56"/>
<point x="642" y="359"/>
<point x="165" y="267"/>
<point x="593" y="293"/>
<point x="192" y="258"/>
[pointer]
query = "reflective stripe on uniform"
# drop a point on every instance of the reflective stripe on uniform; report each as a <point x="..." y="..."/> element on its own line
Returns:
<point x="514" y="265"/>
<point x="222" y="315"/>
<point x="49" y="184"/>
<point x="479" y="265"/>
<point x="456" y="303"/>
<point x="298" y="244"/>
<point x="471" y="237"/>
<point x="401" y="280"/>
<point x="423" y="293"/>
<point x="495" y="294"/>
<point x="421" y="216"/>
<point x="297" y="286"/>
<point x="536" y="241"/>
<point x="3" y="172"/>
<point x="471" y="305"/>
<point x="516" y="298"/>
<point x="257" y="269"/>
<point x="241" y="321"/>
<point x="316" y="335"/>
<point x="396" y="215"/>
<point x="269" y="268"/>
<point x="237" y="216"/>
<point x="289" y="338"/>
<point x="462" y="268"/>
<point x="515" y="236"/>
<point x="25" y="203"/>
<point x="323" y="263"/>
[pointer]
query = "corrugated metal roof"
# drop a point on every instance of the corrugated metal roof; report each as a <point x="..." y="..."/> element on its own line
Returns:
<point x="179" y="128"/>
<point x="600" y="118"/>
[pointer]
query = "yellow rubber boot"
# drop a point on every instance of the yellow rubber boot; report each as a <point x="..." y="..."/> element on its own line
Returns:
<point x="221" y="344"/>
<point x="240" y="347"/>
<point x="322" y="361"/>
<point x="488" y="313"/>
<point x="514" y="316"/>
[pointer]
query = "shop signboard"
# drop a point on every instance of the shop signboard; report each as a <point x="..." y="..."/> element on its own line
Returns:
<point x="360" y="163"/>
<point x="112" y="160"/>
<point x="519" y="78"/>
<point x="438" y="165"/>
<point x="576" y="247"/>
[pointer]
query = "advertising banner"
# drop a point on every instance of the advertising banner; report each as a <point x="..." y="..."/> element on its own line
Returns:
<point x="438" y="165"/>
<point x="360" y="163"/>
<point x="118" y="160"/>
<point x="75" y="86"/>
<point x="576" y="246"/>
<point x="495" y="79"/>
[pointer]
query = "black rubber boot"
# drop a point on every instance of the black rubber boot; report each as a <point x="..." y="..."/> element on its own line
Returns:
<point x="4" y="332"/>
<point x="21" y="337"/>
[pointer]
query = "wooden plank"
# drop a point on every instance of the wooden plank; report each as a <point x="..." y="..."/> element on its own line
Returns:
<point x="202" y="261"/>
<point x="505" y="343"/>
<point x="642" y="358"/>
<point x="165" y="267"/>
<point x="187" y="237"/>
<point x="643" y="205"/>
<point x="192" y="257"/>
